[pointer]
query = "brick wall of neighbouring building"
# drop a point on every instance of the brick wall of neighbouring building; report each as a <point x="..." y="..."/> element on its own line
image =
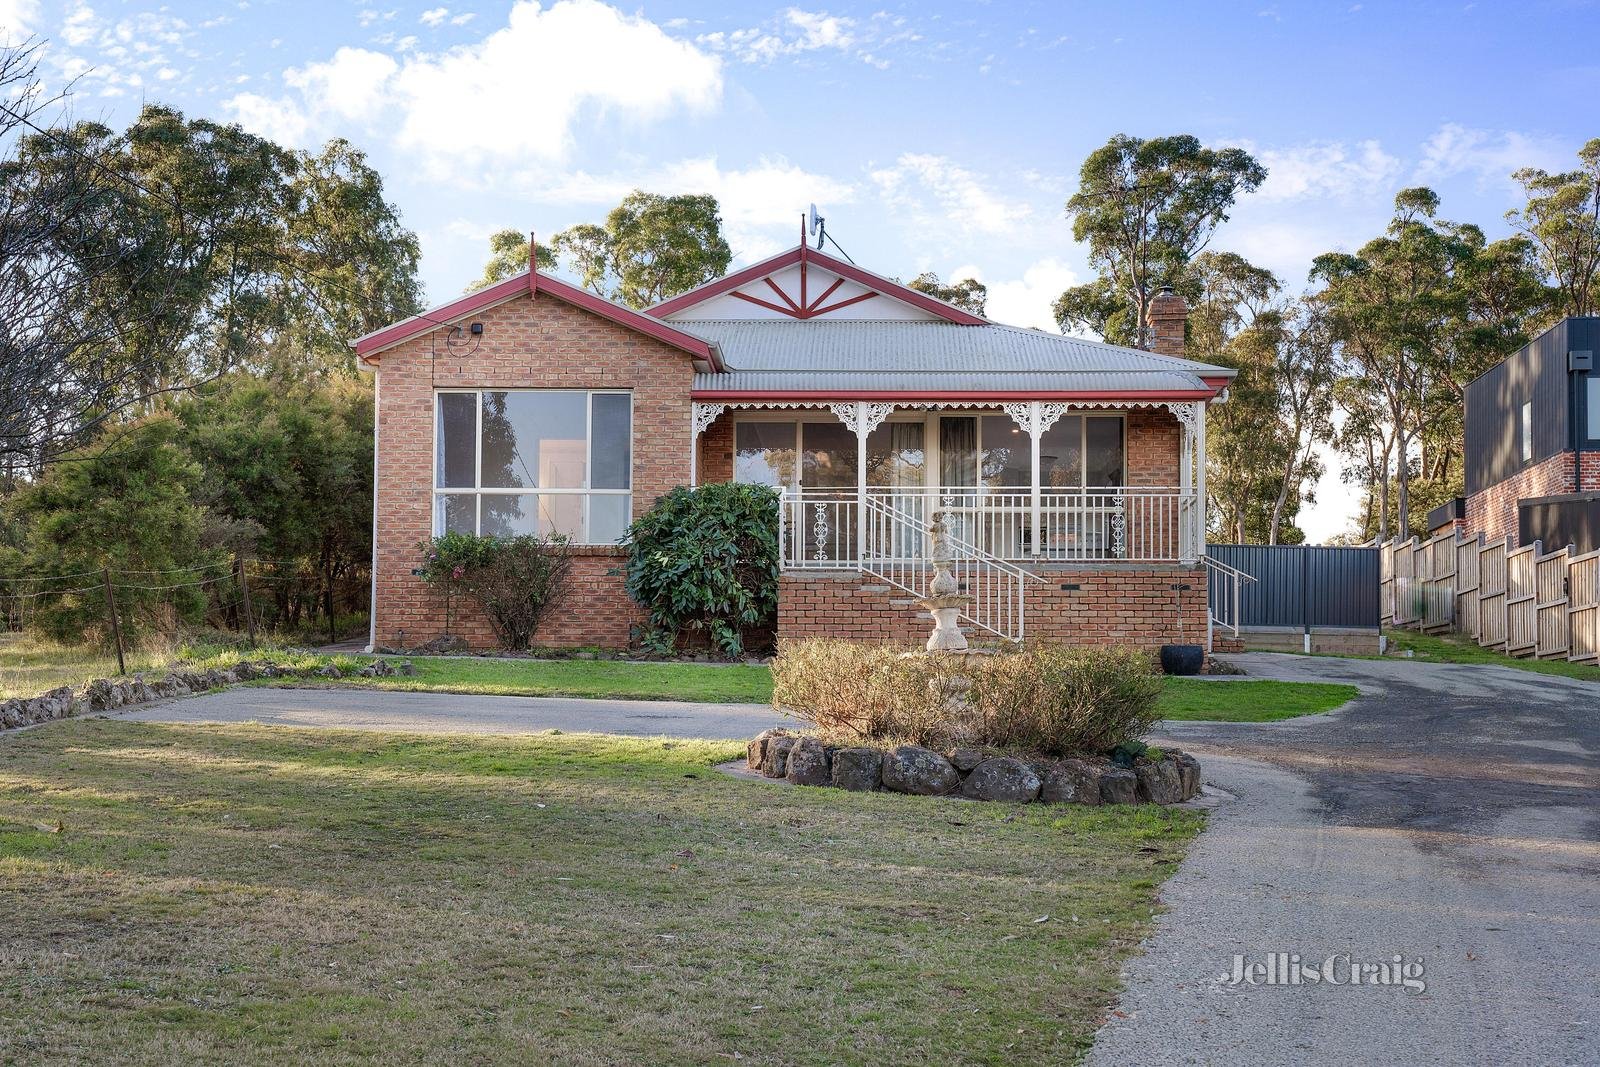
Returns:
<point x="527" y="342"/>
<point x="1493" y="511"/>
<point x="1123" y="605"/>
<point x="1588" y="472"/>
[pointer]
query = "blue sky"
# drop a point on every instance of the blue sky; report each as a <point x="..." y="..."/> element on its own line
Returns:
<point x="941" y="136"/>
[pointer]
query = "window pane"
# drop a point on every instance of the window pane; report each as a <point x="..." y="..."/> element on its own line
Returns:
<point x="763" y="453"/>
<point x="609" y="515"/>
<point x="894" y="454"/>
<point x="1103" y="445"/>
<point x="455" y="446"/>
<point x="1594" y="406"/>
<point x="958" y="451"/>
<point x="1061" y="454"/>
<point x="508" y="515"/>
<point x="455" y="513"/>
<point x="611" y="433"/>
<point x="1007" y="453"/>
<point x="1527" y="432"/>
<point x="830" y="458"/>
<point x="534" y="439"/>
<point x="561" y="513"/>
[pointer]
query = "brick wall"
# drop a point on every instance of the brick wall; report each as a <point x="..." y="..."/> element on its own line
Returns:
<point x="716" y="451"/>
<point x="1493" y="511"/>
<point x="527" y="342"/>
<point x="1127" y="604"/>
<point x="1588" y="472"/>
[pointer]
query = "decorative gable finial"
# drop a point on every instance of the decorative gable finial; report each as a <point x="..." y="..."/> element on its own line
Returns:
<point x="533" y="253"/>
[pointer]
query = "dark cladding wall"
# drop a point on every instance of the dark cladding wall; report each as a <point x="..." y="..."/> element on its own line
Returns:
<point x="1572" y="519"/>
<point x="1538" y="374"/>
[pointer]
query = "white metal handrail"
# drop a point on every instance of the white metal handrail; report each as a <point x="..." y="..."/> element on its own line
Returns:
<point x="1230" y="602"/>
<point x="897" y="550"/>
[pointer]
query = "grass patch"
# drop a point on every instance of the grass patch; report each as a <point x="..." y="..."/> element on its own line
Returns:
<point x="1455" y="649"/>
<point x="603" y="679"/>
<point x="1255" y="700"/>
<point x="244" y="894"/>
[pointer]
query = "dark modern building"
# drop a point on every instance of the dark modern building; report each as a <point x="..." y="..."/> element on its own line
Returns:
<point x="1533" y="441"/>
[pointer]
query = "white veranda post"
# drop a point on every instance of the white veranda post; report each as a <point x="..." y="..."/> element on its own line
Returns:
<point x="1200" y="480"/>
<point x="861" y="418"/>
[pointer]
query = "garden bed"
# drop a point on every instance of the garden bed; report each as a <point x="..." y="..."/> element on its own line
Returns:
<point x="1155" y="777"/>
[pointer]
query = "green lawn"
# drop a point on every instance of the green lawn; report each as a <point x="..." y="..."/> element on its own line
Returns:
<point x="1456" y="649"/>
<point x="1253" y="700"/>
<point x="247" y="894"/>
<point x="614" y="679"/>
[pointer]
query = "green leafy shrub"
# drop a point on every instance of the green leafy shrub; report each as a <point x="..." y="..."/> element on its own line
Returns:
<point x="1043" y="699"/>
<point x="515" y="580"/>
<point x="705" y="561"/>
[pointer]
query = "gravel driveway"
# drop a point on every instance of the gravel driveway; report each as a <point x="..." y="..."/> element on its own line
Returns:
<point x="1451" y="813"/>
<point x="370" y="709"/>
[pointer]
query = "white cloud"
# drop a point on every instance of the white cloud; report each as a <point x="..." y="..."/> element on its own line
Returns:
<point x="1491" y="156"/>
<point x="1024" y="301"/>
<point x="961" y="199"/>
<point x="434" y="16"/>
<point x="18" y="19"/>
<point x="761" y="204"/>
<point x="463" y="18"/>
<point x="795" y="31"/>
<point x="80" y="26"/>
<point x="511" y="98"/>
<point x="1326" y="169"/>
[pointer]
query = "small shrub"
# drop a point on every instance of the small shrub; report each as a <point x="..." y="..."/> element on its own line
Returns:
<point x="705" y="561"/>
<point x="1044" y="699"/>
<point x="515" y="580"/>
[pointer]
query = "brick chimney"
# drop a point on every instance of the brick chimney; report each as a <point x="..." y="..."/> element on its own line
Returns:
<point x="1167" y="313"/>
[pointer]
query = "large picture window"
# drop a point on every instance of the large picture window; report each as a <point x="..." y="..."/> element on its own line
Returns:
<point x="533" y="461"/>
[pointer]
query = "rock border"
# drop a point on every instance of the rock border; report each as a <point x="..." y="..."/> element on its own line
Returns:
<point x="108" y="694"/>
<point x="804" y="760"/>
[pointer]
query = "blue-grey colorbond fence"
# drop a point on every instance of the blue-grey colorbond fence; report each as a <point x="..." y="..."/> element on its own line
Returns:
<point x="1302" y="586"/>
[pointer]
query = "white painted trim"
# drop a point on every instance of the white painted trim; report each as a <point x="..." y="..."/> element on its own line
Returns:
<point x="372" y="595"/>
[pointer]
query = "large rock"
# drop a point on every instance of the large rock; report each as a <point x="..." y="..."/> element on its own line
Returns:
<point x="857" y="769"/>
<point x="1188" y="774"/>
<point x="965" y="759"/>
<point x="1071" y="781"/>
<point x="919" y="771"/>
<point x="1118" y="785"/>
<point x="1158" y="782"/>
<point x="808" y="763"/>
<point x="755" y="751"/>
<point x="775" y="761"/>
<point x="1003" y="778"/>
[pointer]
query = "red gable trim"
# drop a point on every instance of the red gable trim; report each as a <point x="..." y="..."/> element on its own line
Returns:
<point x="802" y="254"/>
<point x="368" y="347"/>
<point x="1141" y="395"/>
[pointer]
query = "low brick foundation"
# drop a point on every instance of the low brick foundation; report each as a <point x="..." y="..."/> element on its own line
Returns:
<point x="1129" y="604"/>
<point x="596" y="609"/>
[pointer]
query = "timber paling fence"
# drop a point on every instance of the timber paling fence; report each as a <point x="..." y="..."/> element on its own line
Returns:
<point x="1519" y="601"/>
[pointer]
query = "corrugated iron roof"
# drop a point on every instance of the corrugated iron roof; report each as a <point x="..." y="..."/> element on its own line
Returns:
<point x="900" y="356"/>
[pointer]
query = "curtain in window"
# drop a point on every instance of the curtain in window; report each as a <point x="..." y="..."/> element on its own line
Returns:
<point x="895" y="456"/>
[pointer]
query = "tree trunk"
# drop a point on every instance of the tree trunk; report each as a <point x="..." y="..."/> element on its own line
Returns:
<point x="1402" y="519"/>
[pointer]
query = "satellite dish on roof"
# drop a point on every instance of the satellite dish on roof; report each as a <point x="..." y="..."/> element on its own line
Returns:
<point x="815" y="225"/>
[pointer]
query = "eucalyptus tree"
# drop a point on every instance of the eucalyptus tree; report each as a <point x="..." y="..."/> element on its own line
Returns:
<point x="1145" y="208"/>
<point x="649" y="248"/>
<point x="968" y="294"/>
<point x="1562" y="220"/>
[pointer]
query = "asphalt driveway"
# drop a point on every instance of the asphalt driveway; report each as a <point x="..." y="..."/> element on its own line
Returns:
<point x="1451" y="813"/>
<point x="459" y="713"/>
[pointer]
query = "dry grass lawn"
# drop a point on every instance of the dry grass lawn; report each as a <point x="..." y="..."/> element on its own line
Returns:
<point x="248" y="895"/>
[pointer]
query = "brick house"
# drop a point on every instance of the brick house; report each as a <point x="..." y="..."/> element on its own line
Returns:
<point x="1533" y="443"/>
<point x="1066" y="469"/>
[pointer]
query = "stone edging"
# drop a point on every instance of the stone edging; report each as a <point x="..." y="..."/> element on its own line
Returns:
<point x="965" y="772"/>
<point x="108" y="694"/>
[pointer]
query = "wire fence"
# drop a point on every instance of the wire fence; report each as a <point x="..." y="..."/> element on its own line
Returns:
<point x="242" y="595"/>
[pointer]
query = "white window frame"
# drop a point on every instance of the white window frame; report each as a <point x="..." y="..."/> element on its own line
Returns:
<point x="478" y="490"/>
